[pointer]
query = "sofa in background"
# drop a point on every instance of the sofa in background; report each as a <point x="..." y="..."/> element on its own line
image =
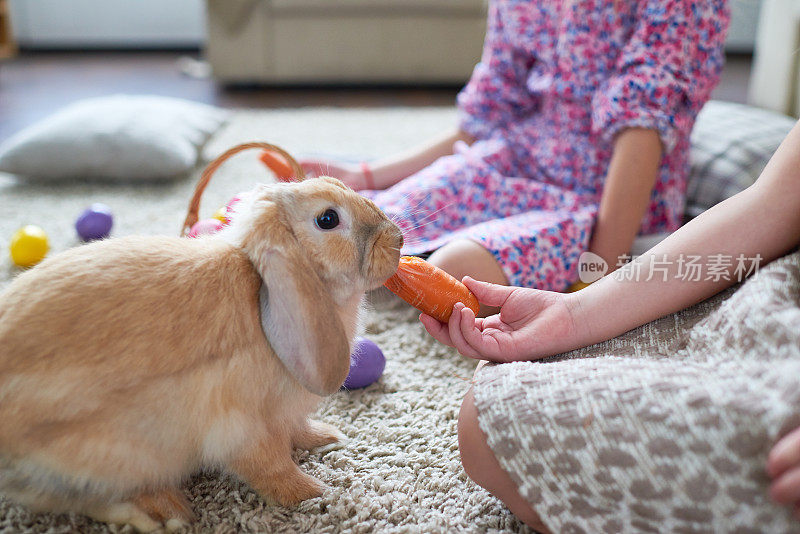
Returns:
<point x="347" y="41"/>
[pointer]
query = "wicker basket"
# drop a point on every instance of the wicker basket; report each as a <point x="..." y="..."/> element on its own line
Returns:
<point x="194" y="206"/>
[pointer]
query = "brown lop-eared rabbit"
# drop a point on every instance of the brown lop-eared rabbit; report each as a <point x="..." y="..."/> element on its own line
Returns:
<point x="128" y="364"/>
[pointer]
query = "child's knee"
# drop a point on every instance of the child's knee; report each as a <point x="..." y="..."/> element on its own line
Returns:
<point x="464" y="257"/>
<point x="455" y="256"/>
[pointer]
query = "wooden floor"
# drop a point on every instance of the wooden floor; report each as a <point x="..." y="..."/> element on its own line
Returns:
<point x="35" y="84"/>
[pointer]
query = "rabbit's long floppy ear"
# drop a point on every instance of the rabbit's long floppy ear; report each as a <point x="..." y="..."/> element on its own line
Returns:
<point x="298" y="314"/>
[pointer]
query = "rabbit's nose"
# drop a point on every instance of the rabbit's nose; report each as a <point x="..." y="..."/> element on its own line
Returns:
<point x="399" y="237"/>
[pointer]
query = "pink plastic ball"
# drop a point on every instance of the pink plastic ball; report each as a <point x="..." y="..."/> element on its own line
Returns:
<point x="205" y="227"/>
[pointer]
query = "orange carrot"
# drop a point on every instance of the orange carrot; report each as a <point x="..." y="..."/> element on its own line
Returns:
<point x="278" y="165"/>
<point x="429" y="289"/>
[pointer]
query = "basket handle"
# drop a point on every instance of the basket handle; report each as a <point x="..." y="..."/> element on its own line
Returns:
<point x="194" y="206"/>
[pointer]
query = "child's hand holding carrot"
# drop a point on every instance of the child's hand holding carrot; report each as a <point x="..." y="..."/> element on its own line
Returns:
<point x="531" y="324"/>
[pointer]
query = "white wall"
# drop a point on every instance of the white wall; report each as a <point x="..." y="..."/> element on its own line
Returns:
<point x="744" y="23"/>
<point x="133" y="23"/>
<point x="108" y="23"/>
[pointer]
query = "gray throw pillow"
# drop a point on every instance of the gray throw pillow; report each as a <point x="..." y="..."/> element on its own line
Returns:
<point x="730" y="145"/>
<point x="115" y="138"/>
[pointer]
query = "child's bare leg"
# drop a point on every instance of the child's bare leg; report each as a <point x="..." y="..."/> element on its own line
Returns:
<point x="481" y="465"/>
<point x="464" y="257"/>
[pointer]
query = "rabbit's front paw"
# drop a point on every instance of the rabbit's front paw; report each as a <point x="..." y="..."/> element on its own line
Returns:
<point x="125" y="513"/>
<point x="293" y="490"/>
<point x="268" y="467"/>
<point x="169" y="506"/>
<point x="321" y="437"/>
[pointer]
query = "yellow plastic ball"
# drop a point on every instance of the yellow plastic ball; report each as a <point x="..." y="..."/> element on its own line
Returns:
<point x="29" y="246"/>
<point x="577" y="286"/>
<point x="220" y="215"/>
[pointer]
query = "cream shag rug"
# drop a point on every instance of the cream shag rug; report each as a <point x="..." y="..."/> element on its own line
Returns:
<point x="400" y="471"/>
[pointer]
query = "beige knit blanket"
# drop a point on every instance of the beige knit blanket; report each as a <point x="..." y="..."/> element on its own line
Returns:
<point x="664" y="429"/>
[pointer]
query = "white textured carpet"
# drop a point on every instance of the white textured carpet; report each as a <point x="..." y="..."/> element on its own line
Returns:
<point x="400" y="471"/>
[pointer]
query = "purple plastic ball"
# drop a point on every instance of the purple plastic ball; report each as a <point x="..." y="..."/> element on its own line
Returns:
<point x="366" y="364"/>
<point x="95" y="222"/>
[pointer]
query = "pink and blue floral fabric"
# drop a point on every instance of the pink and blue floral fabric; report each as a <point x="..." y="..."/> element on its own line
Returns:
<point x="557" y="81"/>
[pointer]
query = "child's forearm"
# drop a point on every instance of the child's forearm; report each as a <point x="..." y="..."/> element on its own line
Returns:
<point x="389" y="171"/>
<point x="631" y="175"/>
<point x="762" y="221"/>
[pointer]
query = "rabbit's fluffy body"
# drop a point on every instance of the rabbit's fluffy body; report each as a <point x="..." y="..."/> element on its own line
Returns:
<point x="127" y="365"/>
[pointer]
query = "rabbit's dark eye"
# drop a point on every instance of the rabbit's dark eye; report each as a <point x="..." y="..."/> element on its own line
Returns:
<point x="328" y="220"/>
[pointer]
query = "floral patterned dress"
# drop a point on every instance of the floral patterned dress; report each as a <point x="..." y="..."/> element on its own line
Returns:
<point x="557" y="81"/>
